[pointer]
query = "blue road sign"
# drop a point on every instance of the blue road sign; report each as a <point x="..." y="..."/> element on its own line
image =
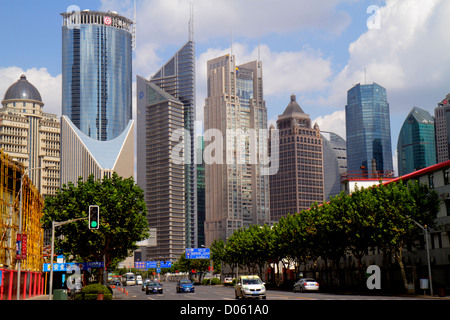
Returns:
<point x="198" y="253"/>
<point x="65" y="266"/>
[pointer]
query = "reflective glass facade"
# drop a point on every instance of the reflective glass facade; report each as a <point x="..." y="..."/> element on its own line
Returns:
<point x="416" y="145"/>
<point x="96" y="72"/>
<point x="369" y="150"/>
<point x="177" y="78"/>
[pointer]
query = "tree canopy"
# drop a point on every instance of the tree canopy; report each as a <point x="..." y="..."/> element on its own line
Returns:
<point x="122" y="219"/>
<point x="381" y="216"/>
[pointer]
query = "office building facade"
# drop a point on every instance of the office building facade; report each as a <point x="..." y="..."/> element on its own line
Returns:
<point x="177" y="78"/>
<point x="31" y="136"/>
<point x="299" y="180"/>
<point x="416" y="146"/>
<point x="96" y="90"/>
<point x="158" y="115"/>
<point x="368" y="132"/>
<point x="334" y="163"/>
<point x="236" y="191"/>
<point x="442" y="129"/>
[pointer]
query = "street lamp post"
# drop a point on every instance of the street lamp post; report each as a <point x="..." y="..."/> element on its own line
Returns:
<point x="19" y="262"/>
<point x="56" y="224"/>
<point x="425" y="229"/>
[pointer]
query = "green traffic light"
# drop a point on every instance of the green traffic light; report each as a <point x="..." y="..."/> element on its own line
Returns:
<point x="94" y="224"/>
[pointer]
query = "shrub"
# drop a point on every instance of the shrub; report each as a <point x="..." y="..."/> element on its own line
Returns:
<point x="91" y="292"/>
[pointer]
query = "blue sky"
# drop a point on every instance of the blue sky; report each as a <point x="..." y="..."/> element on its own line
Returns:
<point x="316" y="50"/>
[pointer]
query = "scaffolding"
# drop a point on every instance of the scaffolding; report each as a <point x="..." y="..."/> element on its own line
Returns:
<point x="11" y="173"/>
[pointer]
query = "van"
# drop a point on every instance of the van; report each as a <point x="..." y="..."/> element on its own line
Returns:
<point x="249" y="287"/>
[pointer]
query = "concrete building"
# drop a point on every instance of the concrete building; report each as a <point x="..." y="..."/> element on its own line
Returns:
<point x="159" y="115"/>
<point x="177" y="78"/>
<point x="236" y="191"/>
<point x="299" y="180"/>
<point x="31" y="136"/>
<point x="442" y="129"/>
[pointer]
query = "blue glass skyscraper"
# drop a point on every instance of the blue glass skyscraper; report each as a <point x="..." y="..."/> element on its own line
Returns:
<point x="96" y="72"/>
<point x="416" y="145"/>
<point x="369" y="150"/>
<point x="97" y="129"/>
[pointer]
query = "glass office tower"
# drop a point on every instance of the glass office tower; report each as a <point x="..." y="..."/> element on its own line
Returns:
<point x="97" y="129"/>
<point x="369" y="150"/>
<point x="416" y="145"/>
<point x="96" y="72"/>
<point x="177" y="78"/>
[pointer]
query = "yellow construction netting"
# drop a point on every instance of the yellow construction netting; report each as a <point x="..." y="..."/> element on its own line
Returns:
<point x="32" y="210"/>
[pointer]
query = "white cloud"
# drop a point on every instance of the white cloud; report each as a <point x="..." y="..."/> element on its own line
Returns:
<point x="48" y="86"/>
<point x="334" y="122"/>
<point x="407" y="56"/>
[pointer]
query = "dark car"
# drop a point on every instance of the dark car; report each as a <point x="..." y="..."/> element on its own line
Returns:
<point x="185" y="285"/>
<point x="153" y="287"/>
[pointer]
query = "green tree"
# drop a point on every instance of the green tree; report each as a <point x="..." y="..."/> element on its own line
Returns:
<point x="398" y="204"/>
<point x="122" y="219"/>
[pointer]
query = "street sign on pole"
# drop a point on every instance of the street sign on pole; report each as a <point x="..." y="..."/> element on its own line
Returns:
<point x="198" y="253"/>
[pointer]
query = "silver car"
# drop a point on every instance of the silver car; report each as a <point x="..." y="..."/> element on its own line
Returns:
<point x="306" y="284"/>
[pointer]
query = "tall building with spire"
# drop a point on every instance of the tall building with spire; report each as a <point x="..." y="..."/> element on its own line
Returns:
<point x="97" y="130"/>
<point x="165" y="104"/>
<point x="236" y="191"/>
<point x="299" y="180"/>
<point x="177" y="78"/>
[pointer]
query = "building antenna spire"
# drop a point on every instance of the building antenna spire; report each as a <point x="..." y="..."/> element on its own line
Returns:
<point x="133" y="37"/>
<point x="365" y="76"/>
<point x="259" y="48"/>
<point x="231" y="41"/>
<point x="191" y="23"/>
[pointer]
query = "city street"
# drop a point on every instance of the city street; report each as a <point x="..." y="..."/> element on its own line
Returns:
<point x="227" y="293"/>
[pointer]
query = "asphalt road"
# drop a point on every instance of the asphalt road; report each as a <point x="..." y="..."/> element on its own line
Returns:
<point x="227" y="293"/>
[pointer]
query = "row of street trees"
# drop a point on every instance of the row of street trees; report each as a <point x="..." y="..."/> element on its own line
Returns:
<point x="377" y="217"/>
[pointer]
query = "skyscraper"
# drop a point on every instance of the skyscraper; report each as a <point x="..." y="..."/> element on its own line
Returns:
<point x="369" y="150"/>
<point x="237" y="193"/>
<point x="416" y="144"/>
<point x="299" y="180"/>
<point x="158" y="115"/>
<point x="442" y="123"/>
<point x="96" y="95"/>
<point x="177" y="78"/>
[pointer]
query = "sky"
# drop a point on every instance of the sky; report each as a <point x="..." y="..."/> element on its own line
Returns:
<point x="316" y="50"/>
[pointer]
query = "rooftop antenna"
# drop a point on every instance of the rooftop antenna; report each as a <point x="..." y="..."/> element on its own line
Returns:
<point x="231" y="41"/>
<point x="365" y="80"/>
<point x="133" y="38"/>
<point x="191" y="23"/>
<point x="259" y="49"/>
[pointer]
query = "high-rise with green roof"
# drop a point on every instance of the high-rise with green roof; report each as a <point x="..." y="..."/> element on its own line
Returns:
<point x="416" y="147"/>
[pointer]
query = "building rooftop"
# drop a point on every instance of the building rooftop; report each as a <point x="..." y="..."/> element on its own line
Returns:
<point x="22" y="90"/>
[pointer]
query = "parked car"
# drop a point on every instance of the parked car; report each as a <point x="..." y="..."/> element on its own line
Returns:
<point x="153" y="287"/>
<point x="249" y="287"/>
<point x="185" y="285"/>
<point x="306" y="284"/>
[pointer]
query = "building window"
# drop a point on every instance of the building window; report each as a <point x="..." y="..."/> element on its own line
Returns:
<point x="447" y="176"/>
<point x="431" y="181"/>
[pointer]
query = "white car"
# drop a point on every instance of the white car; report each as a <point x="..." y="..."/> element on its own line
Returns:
<point x="306" y="284"/>
<point x="249" y="287"/>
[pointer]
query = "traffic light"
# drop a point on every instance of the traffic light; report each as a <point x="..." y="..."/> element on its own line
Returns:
<point x="94" y="217"/>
